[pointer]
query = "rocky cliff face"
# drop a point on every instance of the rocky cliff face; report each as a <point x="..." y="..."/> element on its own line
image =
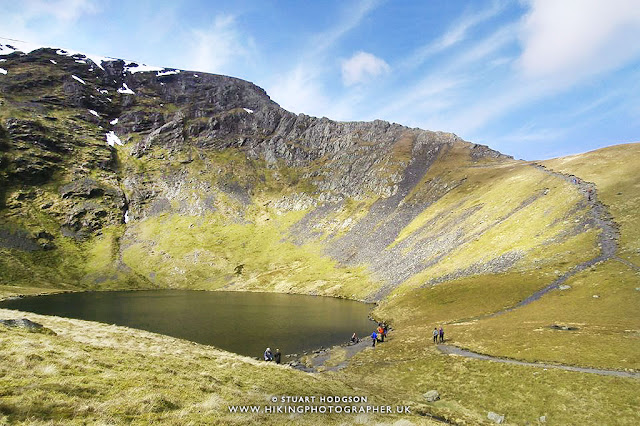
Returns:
<point x="99" y="160"/>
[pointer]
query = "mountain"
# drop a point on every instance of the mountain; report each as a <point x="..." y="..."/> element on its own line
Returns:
<point x="119" y="174"/>
<point x="114" y="174"/>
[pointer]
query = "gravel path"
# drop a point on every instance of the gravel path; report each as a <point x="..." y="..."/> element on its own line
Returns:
<point x="454" y="350"/>
<point x="318" y="360"/>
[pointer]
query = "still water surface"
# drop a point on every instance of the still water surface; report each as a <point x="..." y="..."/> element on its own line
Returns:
<point x="244" y="323"/>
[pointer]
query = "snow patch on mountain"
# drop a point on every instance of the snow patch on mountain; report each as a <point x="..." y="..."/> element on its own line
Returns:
<point x="3" y="71"/>
<point x="163" y="73"/>
<point x="12" y="46"/>
<point x="96" y="59"/>
<point x="125" y="89"/>
<point x="78" y="79"/>
<point x="112" y="139"/>
<point x="133" y="68"/>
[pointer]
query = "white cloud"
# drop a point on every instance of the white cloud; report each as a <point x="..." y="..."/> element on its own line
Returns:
<point x="216" y="48"/>
<point x="571" y="39"/>
<point x="361" y="67"/>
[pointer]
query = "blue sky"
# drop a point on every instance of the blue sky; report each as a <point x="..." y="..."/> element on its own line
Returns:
<point x="534" y="79"/>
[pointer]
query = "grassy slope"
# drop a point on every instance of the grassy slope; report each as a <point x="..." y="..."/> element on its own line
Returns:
<point x="408" y="365"/>
<point x="608" y="335"/>
<point x="615" y="171"/>
<point x="203" y="250"/>
<point x="609" y="325"/>
<point x="504" y="218"/>
<point x="98" y="373"/>
<point x="203" y="253"/>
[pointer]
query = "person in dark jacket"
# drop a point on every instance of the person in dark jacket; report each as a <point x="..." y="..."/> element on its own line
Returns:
<point x="277" y="356"/>
<point x="441" y="332"/>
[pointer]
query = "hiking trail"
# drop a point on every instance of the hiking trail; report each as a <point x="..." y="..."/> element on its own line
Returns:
<point x="607" y="241"/>
<point x="454" y="350"/>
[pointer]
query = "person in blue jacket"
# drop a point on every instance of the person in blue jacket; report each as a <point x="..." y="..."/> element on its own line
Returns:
<point x="374" y="338"/>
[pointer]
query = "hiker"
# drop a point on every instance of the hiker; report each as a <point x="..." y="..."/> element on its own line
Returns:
<point x="589" y="193"/>
<point x="277" y="356"/>
<point x="268" y="356"/>
<point x="380" y="332"/>
<point x="374" y="337"/>
<point x="354" y="338"/>
<point x="441" y="332"/>
<point x="435" y="335"/>
<point x="384" y="329"/>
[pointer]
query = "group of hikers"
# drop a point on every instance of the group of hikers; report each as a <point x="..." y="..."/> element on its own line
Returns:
<point x="270" y="356"/>
<point x="377" y="336"/>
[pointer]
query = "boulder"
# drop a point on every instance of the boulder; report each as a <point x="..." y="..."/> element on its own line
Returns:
<point x="495" y="417"/>
<point x="28" y="325"/>
<point x="22" y="323"/>
<point x="432" y="395"/>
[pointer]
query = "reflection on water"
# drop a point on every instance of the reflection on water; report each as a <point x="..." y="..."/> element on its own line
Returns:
<point x="245" y="323"/>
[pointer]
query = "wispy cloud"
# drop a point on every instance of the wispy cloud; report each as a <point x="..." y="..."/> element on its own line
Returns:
<point x="453" y="36"/>
<point x="299" y="91"/>
<point x="24" y="22"/>
<point x="217" y="48"/>
<point x="350" y="19"/>
<point x="62" y="10"/>
<point x="301" y="88"/>
<point x="429" y="100"/>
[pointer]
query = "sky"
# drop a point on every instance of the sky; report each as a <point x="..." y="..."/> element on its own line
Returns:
<point x="535" y="79"/>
